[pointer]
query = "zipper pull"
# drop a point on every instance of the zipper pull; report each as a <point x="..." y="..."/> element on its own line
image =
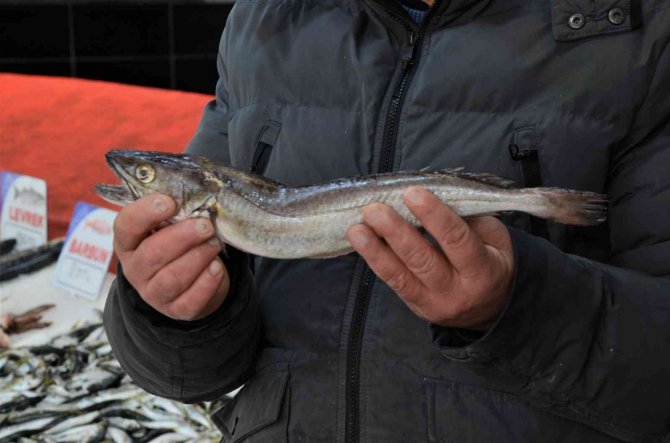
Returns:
<point x="413" y="37"/>
<point x="406" y="62"/>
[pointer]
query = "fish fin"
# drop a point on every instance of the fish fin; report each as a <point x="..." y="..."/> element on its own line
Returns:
<point x="485" y="214"/>
<point x="451" y="171"/>
<point x="332" y="254"/>
<point x="482" y="177"/>
<point x="572" y="207"/>
<point x="428" y="169"/>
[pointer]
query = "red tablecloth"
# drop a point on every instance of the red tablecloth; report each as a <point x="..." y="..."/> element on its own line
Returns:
<point x="58" y="129"/>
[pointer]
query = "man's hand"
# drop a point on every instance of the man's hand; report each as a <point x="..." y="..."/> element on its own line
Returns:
<point x="463" y="283"/>
<point x="176" y="270"/>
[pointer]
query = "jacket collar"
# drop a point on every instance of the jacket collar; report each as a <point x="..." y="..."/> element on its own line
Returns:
<point x="447" y="12"/>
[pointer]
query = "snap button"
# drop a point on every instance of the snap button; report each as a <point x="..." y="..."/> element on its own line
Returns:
<point x="577" y="21"/>
<point x="616" y="16"/>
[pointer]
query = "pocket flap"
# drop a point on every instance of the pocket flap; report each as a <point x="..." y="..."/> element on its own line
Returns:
<point x="256" y="406"/>
<point x="577" y="19"/>
<point x="270" y="133"/>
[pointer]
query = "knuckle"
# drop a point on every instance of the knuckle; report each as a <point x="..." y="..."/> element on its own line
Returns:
<point x="164" y="286"/>
<point x="148" y="256"/>
<point x="399" y="283"/>
<point x="421" y="260"/>
<point x="456" y="236"/>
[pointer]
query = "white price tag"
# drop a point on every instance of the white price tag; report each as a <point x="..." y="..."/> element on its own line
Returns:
<point x="84" y="260"/>
<point x="23" y="206"/>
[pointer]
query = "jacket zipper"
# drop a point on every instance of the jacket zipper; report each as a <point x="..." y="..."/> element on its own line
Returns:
<point x="363" y="295"/>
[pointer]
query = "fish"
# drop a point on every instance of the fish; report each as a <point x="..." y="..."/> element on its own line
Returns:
<point x="264" y="217"/>
<point x="11" y="433"/>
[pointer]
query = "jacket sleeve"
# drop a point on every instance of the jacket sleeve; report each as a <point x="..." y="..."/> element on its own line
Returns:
<point x="587" y="340"/>
<point x="198" y="360"/>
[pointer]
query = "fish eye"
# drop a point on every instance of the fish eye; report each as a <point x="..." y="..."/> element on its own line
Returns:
<point x="145" y="173"/>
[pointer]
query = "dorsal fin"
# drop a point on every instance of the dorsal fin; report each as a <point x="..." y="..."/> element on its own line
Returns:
<point x="482" y="177"/>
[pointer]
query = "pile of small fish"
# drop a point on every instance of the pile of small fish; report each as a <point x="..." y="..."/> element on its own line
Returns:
<point x="74" y="390"/>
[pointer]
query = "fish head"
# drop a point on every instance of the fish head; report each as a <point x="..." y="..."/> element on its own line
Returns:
<point x="187" y="179"/>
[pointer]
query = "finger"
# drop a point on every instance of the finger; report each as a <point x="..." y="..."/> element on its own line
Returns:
<point x="383" y="262"/>
<point x="179" y="275"/>
<point x="420" y="257"/>
<point x="204" y="296"/>
<point x="460" y="244"/>
<point x="136" y="221"/>
<point x="168" y="244"/>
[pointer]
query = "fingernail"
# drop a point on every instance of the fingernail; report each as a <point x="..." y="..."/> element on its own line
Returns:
<point x="202" y="227"/>
<point x="414" y="196"/>
<point x="214" y="242"/>
<point x="160" y="205"/>
<point x="215" y="267"/>
<point x="358" y="239"/>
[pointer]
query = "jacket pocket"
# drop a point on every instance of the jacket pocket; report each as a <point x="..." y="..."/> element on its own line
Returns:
<point x="459" y="413"/>
<point x="266" y="140"/>
<point x="259" y="412"/>
<point x="524" y="150"/>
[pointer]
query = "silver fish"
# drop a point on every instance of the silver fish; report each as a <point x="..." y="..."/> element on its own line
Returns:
<point x="117" y="435"/>
<point x="66" y="391"/>
<point x="267" y="218"/>
<point x="11" y="433"/>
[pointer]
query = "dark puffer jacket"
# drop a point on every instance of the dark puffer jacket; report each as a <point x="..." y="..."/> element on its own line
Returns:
<point x="567" y="93"/>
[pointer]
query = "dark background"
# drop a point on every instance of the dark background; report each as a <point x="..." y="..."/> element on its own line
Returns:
<point x="166" y="44"/>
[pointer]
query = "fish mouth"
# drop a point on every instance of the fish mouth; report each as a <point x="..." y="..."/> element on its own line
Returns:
<point x="115" y="194"/>
<point x="127" y="191"/>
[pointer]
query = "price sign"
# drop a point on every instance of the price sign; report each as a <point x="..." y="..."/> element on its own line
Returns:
<point x="84" y="260"/>
<point x="23" y="206"/>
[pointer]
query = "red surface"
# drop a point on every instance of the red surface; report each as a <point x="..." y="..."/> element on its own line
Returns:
<point x="59" y="129"/>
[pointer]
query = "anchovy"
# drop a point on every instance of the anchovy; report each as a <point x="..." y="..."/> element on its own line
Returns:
<point x="267" y="218"/>
<point x="117" y="435"/>
<point x="89" y="433"/>
<point x="12" y="433"/>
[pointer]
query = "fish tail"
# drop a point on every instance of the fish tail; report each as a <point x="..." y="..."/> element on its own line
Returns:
<point x="571" y="207"/>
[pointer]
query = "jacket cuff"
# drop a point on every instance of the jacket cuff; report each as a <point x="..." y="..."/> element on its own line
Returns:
<point x="553" y="295"/>
<point x="179" y="332"/>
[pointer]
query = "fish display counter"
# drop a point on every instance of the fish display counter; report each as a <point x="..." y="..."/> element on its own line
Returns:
<point x="60" y="382"/>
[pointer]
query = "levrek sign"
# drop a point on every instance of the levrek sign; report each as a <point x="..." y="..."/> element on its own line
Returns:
<point x="23" y="206"/>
